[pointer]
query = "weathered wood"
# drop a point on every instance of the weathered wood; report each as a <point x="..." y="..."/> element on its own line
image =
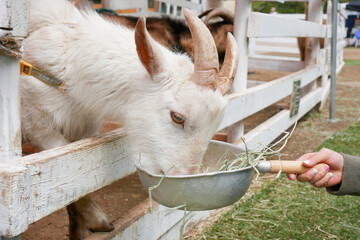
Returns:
<point x="276" y="65"/>
<point x="123" y="4"/>
<point x="5" y="14"/>
<point x="14" y="15"/>
<point x="13" y="179"/>
<point x="242" y="12"/>
<point x="279" y="49"/>
<point x="10" y="132"/>
<point x="14" y="200"/>
<point x="269" y="130"/>
<point x="254" y="83"/>
<point x="325" y="81"/>
<point x="326" y="84"/>
<point x="265" y="25"/>
<point x="276" y="58"/>
<point x="196" y="7"/>
<point x="247" y="103"/>
<point x="59" y="176"/>
<point x="140" y="223"/>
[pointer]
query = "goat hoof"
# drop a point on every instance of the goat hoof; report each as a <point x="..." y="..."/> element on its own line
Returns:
<point x="85" y="215"/>
<point x="103" y="226"/>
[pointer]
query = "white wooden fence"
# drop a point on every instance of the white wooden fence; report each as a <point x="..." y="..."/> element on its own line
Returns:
<point x="171" y="8"/>
<point x="35" y="186"/>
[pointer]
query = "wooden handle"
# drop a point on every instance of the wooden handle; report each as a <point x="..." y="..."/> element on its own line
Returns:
<point x="289" y="166"/>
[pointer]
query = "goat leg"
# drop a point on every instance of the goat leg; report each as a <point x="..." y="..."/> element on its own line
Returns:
<point x="85" y="215"/>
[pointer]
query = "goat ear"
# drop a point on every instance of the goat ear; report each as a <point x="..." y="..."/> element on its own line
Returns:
<point x="147" y="50"/>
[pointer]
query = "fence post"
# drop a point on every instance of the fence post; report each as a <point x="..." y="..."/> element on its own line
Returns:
<point x="327" y="43"/>
<point x="334" y="22"/>
<point x="10" y="132"/>
<point x="242" y="12"/>
<point x="325" y="81"/>
<point x="14" y="16"/>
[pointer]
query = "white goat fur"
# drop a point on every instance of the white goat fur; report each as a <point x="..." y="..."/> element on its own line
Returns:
<point x="106" y="80"/>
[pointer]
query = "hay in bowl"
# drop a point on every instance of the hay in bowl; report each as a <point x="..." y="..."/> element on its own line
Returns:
<point x="204" y="191"/>
<point x="225" y="174"/>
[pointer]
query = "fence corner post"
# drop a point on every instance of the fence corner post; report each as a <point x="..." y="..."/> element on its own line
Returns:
<point x="14" y="18"/>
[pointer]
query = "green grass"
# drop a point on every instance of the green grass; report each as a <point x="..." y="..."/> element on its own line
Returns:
<point x="347" y="141"/>
<point x="293" y="210"/>
<point x="352" y="62"/>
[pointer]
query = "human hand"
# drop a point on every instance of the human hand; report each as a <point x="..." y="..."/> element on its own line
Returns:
<point x="327" y="176"/>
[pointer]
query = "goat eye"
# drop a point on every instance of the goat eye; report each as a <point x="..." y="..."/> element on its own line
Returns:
<point x="177" y="118"/>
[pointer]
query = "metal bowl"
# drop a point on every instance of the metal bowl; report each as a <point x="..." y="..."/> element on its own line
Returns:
<point x="204" y="191"/>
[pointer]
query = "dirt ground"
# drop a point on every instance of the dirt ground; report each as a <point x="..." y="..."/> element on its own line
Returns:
<point x="117" y="199"/>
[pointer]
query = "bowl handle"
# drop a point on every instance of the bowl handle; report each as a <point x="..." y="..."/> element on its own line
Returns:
<point x="286" y="166"/>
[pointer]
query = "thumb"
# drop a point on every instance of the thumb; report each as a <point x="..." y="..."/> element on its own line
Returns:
<point x="309" y="163"/>
<point x="315" y="158"/>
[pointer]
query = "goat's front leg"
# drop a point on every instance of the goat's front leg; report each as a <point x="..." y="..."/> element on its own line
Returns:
<point x="86" y="215"/>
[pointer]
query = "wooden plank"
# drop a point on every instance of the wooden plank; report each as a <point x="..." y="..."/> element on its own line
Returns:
<point x="277" y="40"/>
<point x="254" y="83"/>
<point x="276" y="65"/>
<point x="139" y="223"/>
<point x="242" y="12"/>
<point x="280" y="49"/>
<point x="140" y="5"/>
<point x="14" y="15"/>
<point x="62" y="175"/>
<point x="194" y="218"/>
<point x="123" y="4"/>
<point x="325" y="95"/>
<point x="266" y="25"/>
<point x="325" y="81"/>
<point x="14" y="199"/>
<point x="182" y="3"/>
<point x="142" y="224"/>
<point x="276" y="58"/>
<point x="257" y="98"/>
<point x="5" y="14"/>
<point x="10" y="132"/>
<point x="269" y="130"/>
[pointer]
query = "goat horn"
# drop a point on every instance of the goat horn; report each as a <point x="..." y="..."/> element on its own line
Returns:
<point x="206" y="62"/>
<point x="220" y="12"/>
<point x="228" y="70"/>
<point x="205" y="13"/>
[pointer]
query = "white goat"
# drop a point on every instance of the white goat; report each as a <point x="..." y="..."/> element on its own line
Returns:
<point x="169" y="106"/>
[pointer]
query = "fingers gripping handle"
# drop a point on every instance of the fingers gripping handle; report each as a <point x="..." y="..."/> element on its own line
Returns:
<point x="287" y="166"/>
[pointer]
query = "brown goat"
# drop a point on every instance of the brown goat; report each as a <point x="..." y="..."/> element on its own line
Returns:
<point x="302" y="41"/>
<point x="175" y="34"/>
